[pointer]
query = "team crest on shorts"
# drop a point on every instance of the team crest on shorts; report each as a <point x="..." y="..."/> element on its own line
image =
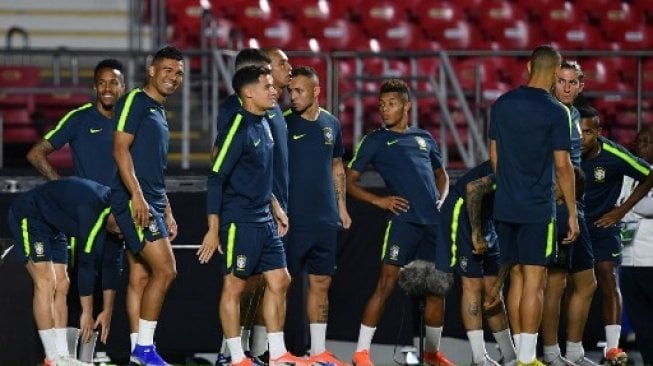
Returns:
<point x="394" y="252"/>
<point x="38" y="249"/>
<point x="153" y="227"/>
<point x="599" y="174"/>
<point x="241" y="262"/>
<point x="421" y="143"/>
<point x="328" y="135"/>
<point x="463" y="264"/>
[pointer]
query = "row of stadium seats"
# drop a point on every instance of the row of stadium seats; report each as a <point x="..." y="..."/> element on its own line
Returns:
<point x="421" y="25"/>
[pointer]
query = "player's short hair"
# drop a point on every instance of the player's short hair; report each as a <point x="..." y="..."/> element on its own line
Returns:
<point x="545" y="57"/>
<point x="248" y="75"/>
<point x="269" y="50"/>
<point x="251" y="57"/>
<point x="307" y="71"/>
<point x="573" y="65"/>
<point x="108" y="63"/>
<point x="579" y="180"/>
<point x="395" y="86"/>
<point x="587" y="111"/>
<point x="168" y="52"/>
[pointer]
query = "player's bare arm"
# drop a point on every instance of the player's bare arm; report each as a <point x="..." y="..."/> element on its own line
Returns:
<point x="280" y="216"/>
<point x="211" y="241"/>
<point x="171" y="223"/>
<point x="394" y="204"/>
<point x="340" y="184"/>
<point x="442" y="183"/>
<point x="565" y="178"/>
<point x="476" y="190"/>
<point x="493" y="155"/>
<point x="615" y="215"/>
<point x="122" y="141"/>
<point x="37" y="156"/>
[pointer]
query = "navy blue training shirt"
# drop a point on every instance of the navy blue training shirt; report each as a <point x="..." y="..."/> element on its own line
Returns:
<point x="406" y="162"/>
<point x="240" y="183"/>
<point x="312" y="146"/>
<point x="90" y="135"/>
<point x="576" y="139"/>
<point x="138" y="114"/>
<point x="604" y="176"/>
<point x="78" y="208"/>
<point x="528" y="125"/>
<point x="226" y="113"/>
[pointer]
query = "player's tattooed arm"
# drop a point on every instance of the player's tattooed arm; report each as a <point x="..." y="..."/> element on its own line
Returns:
<point x="37" y="156"/>
<point x="340" y="187"/>
<point x="476" y="190"/>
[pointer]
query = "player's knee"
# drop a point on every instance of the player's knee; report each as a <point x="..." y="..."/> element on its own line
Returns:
<point x="320" y="283"/>
<point x="62" y="284"/>
<point x="472" y="286"/>
<point x="45" y="284"/>
<point x="279" y="283"/>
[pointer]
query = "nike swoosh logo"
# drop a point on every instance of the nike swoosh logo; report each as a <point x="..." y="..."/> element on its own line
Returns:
<point x="257" y="142"/>
<point x="153" y="110"/>
<point x="616" y="254"/>
<point x="95" y="130"/>
<point x="390" y="143"/>
<point x="297" y="137"/>
<point x="272" y="115"/>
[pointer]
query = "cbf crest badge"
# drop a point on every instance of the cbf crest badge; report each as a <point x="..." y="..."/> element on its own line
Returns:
<point x="599" y="174"/>
<point x="153" y="227"/>
<point x="38" y="249"/>
<point x="394" y="252"/>
<point x="328" y="135"/>
<point x="463" y="264"/>
<point x="241" y="262"/>
<point x="421" y="143"/>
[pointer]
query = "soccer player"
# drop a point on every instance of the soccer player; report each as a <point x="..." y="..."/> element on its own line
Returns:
<point x="89" y="132"/>
<point x="524" y="209"/>
<point x="467" y="216"/>
<point x="251" y="320"/>
<point x="574" y="262"/>
<point x="317" y="206"/>
<point x="241" y="209"/>
<point x="139" y="201"/>
<point x="75" y="207"/>
<point x="637" y="260"/>
<point x="409" y="161"/>
<point x="605" y="164"/>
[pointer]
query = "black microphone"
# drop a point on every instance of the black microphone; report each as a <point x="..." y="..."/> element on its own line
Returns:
<point x="420" y="278"/>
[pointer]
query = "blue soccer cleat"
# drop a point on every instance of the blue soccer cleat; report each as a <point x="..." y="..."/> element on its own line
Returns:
<point x="146" y="356"/>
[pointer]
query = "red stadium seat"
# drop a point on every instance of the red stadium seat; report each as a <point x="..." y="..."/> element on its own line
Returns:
<point x="433" y="16"/>
<point x="616" y="18"/>
<point x="578" y="36"/>
<point x="312" y="15"/>
<point x="600" y="75"/>
<point x="16" y="117"/>
<point x="22" y="101"/>
<point x="594" y="8"/>
<point x="340" y="34"/>
<point x="647" y="74"/>
<point x="278" y="33"/>
<point x="560" y="14"/>
<point x="466" y="70"/>
<point x="494" y="16"/>
<point x="19" y="76"/>
<point x="253" y="15"/>
<point x="516" y="35"/>
<point x="460" y="35"/>
<point x="399" y="36"/>
<point x="379" y="14"/>
<point x="20" y="134"/>
<point x="635" y="37"/>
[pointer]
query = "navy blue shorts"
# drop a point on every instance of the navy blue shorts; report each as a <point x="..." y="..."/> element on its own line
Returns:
<point x="312" y="250"/>
<point x="251" y="248"/>
<point x="606" y="243"/>
<point x="526" y="243"/>
<point x="404" y="242"/>
<point x="582" y="255"/>
<point x="38" y="241"/>
<point x="134" y="235"/>
<point x="459" y="235"/>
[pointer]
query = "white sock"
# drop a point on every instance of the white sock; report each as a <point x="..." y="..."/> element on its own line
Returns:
<point x="551" y="352"/>
<point x="244" y="338"/>
<point x="318" y="338"/>
<point x="433" y="336"/>
<point x="133" y="337"/>
<point x="277" y="345"/>
<point x="365" y="336"/>
<point x="236" y="349"/>
<point x="515" y="339"/>
<point x="575" y="351"/>
<point x="612" y="335"/>
<point x="527" y="345"/>
<point x="61" y="341"/>
<point x="477" y="343"/>
<point x="49" y="345"/>
<point x="146" y="330"/>
<point x="505" y="344"/>
<point x="259" y="340"/>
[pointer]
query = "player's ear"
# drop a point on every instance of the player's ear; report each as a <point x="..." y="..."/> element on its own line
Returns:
<point x="316" y="91"/>
<point x="150" y="71"/>
<point x="528" y="67"/>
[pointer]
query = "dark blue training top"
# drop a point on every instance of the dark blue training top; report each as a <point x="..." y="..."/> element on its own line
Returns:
<point x="576" y="139"/>
<point x="312" y="146"/>
<point x="138" y="114"/>
<point x="604" y="175"/>
<point x="406" y="161"/>
<point x="90" y="135"/>
<point x="240" y="183"/>
<point x="528" y="124"/>
<point x="226" y="113"/>
<point x="78" y="208"/>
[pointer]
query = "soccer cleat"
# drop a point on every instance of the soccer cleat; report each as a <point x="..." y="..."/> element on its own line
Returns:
<point x="326" y="358"/>
<point x="534" y="363"/>
<point x="616" y="357"/>
<point x="560" y="361"/>
<point x="48" y="362"/>
<point x="437" y="358"/>
<point x="146" y="356"/>
<point x="584" y="361"/>
<point x="289" y="359"/>
<point x="486" y="361"/>
<point x="244" y="362"/>
<point x="223" y="360"/>
<point x="362" y="358"/>
<point x="261" y="360"/>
